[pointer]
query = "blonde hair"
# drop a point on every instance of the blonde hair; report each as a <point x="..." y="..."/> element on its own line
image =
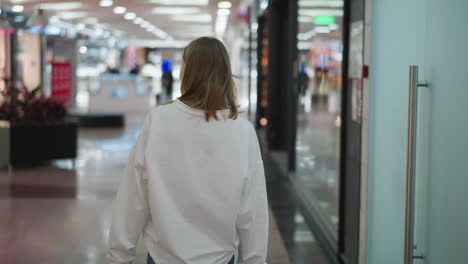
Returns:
<point x="207" y="79"/>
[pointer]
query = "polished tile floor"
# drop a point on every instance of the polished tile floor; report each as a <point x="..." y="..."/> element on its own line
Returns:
<point x="300" y="241"/>
<point x="60" y="212"/>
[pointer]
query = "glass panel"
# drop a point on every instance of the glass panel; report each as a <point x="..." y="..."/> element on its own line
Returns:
<point x="395" y="45"/>
<point x="443" y="140"/>
<point x="319" y="112"/>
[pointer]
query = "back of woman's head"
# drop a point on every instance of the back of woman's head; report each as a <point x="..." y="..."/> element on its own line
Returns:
<point x="207" y="80"/>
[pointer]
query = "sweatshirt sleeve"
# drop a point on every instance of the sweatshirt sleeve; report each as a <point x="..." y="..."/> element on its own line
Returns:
<point x="131" y="209"/>
<point x="252" y="221"/>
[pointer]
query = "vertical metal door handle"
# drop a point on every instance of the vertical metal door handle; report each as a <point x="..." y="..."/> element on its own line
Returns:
<point x="411" y="163"/>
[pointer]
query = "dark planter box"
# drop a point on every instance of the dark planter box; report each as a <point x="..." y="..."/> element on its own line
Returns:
<point x="98" y="119"/>
<point x="32" y="143"/>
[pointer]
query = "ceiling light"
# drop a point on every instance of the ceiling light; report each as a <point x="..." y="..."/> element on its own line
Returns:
<point x="322" y="30"/>
<point x="224" y="4"/>
<point x="306" y="35"/>
<point x="180" y="2"/>
<point x="72" y="14"/>
<point x="17" y="8"/>
<point x="138" y="20"/>
<point x="81" y="26"/>
<point x="145" y="24"/>
<point x="333" y="27"/>
<point x="305" y="19"/>
<point x="201" y="18"/>
<point x="321" y="12"/>
<point x="130" y="16"/>
<point x="120" y="10"/>
<point x="175" y="10"/>
<point x="158" y="31"/>
<point x="324" y="3"/>
<point x="223" y="12"/>
<point x="61" y="6"/>
<point x="83" y="49"/>
<point x="106" y="3"/>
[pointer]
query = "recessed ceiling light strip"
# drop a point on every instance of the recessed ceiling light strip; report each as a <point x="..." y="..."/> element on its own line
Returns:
<point x="106" y="3"/>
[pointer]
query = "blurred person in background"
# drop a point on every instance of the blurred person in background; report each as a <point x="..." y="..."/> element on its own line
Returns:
<point x="167" y="79"/>
<point x="135" y="70"/>
<point x="303" y="82"/>
<point x="194" y="187"/>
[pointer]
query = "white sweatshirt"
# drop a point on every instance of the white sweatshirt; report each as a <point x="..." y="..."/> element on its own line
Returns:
<point x="195" y="191"/>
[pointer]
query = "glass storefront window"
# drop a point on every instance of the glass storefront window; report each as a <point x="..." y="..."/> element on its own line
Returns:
<point x="319" y="111"/>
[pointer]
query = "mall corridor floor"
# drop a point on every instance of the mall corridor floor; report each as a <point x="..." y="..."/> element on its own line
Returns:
<point x="61" y="212"/>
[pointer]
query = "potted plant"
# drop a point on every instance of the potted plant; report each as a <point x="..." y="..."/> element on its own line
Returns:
<point x="34" y="128"/>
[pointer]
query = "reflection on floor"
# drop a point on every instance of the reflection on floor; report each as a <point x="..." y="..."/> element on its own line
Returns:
<point x="317" y="147"/>
<point x="60" y="212"/>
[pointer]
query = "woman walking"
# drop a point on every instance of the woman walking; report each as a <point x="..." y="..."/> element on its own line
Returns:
<point x="194" y="187"/>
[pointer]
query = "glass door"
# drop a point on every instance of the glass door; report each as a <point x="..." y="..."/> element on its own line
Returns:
<point x="319" y="113"/>
<point x="441" y="211"/>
